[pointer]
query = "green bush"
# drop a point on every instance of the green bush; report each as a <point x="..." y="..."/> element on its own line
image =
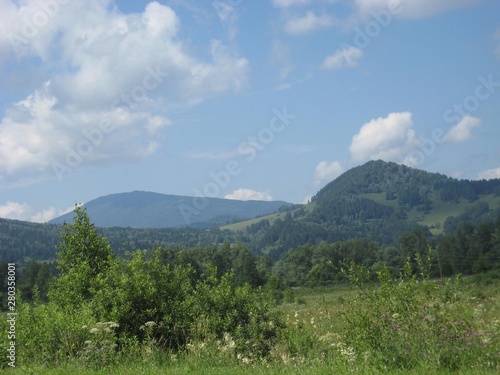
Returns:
<point x="102" y="306"/>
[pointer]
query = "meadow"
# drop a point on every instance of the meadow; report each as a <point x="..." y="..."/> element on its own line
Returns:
<point x="409" y="325"/>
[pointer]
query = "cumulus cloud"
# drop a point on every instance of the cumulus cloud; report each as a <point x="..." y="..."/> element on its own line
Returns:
<point x="23" y="211"/>
<point x="307" y="23"/>
<point x="463" y="130"/>
<point x="343" y="58"/>
<point x="107" y="70"/>
<point x="411" y="8"/>
<point x="249" y="195"/>
<point x="14" y="210"/>
<point x="326" y="171"/>
<point x="389" y="138"/>
<point x="489" y="174"/>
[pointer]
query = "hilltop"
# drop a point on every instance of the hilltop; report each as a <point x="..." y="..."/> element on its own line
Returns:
<point x="378" y="200"/>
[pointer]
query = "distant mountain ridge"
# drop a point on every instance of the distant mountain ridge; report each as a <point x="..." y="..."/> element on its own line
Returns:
<point x="140" y="209"/>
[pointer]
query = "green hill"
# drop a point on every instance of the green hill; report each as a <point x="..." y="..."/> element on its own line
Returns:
<point x="378" y="200"/>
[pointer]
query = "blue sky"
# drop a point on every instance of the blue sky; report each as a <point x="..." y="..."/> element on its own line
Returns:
<point x="237" y="98"/>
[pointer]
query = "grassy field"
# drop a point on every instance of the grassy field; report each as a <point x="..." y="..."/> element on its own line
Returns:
<point x="440" y="209"/>
<point x="315" y="319"/>
<point x="239" y="226"/>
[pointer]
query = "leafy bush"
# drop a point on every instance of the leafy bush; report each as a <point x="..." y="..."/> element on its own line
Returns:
<point x="102" y="305"/>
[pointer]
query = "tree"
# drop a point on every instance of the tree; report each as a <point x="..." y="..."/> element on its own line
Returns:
<point x="84" y="254"/>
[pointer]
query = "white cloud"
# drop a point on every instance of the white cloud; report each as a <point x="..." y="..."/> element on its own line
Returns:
<point x="326" y="171"/>
<point x="489" y="174"/>
<point x="105" y="66"/>
<point x="49" y="214"/>
<point x="289" y="3"/>
<point x="411" y="8"/>
<point x="307" y="23"/>
<point x="389" y="138"/>
<point x="249" y="194"/>
<point x="343" y="58"/>
<point x="463" y="130"/>
<point x="23" y="211"/>
<point x="14" y="210"/>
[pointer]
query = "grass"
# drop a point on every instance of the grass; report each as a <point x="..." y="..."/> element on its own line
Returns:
<point x="242" y="225"/>
<point x="440" y="209"/>
<point x="314" y="317"/>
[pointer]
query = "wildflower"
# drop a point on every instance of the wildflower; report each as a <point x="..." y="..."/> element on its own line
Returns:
<point x="84" y="326"/>
<point x="94" y="331"/>
<point x="382" y="316"/>
<point x="150" y="324"/>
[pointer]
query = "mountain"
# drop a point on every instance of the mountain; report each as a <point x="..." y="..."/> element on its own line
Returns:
<point x="139" y="209"/>
<point x="377" y="200"/>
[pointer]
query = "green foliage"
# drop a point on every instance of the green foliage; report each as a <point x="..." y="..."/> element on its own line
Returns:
<point x="84" y="255"/>
<point x="48" y="333"/>
<point x="99" y="350"/>
<point x="34" y="279"/>
<point x="406" y="321"/>
<point x="218" y="303"/>
<point x="155" y="299"/>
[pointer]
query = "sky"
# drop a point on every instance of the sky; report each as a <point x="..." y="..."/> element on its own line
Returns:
<point x="239" y="99"/>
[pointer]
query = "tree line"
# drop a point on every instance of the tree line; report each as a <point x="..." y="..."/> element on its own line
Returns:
<point x="470" y="249"/>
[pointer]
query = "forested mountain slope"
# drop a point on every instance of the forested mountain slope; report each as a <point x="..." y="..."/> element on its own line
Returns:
<point x="380" y="201"/>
